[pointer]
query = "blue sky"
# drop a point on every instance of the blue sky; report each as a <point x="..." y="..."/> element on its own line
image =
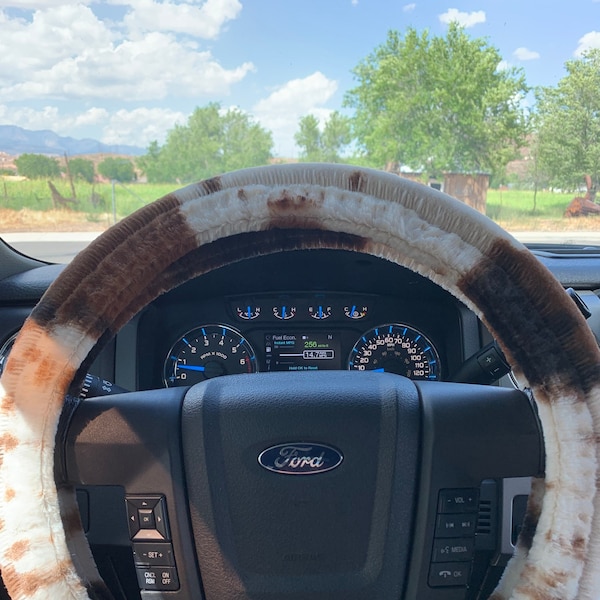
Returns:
<point x="125" y="71"/>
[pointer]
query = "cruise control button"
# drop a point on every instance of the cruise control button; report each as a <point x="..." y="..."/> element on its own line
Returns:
<point x="152" y="554"/>
<point x="158" y="578"/>
<point x="449" y="574"/>
<point x="453" y="550"/>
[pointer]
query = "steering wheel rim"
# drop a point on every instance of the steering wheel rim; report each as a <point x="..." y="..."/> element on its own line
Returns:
<point x="190" y="231"/>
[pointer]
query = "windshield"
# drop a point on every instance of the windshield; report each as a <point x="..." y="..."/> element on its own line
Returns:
<point x="106" y="106"/>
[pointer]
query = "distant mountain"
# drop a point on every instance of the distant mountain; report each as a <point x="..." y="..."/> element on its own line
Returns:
<point x="16" y="140"/>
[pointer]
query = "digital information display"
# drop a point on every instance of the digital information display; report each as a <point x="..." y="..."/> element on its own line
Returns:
<point x="302" y="352"/>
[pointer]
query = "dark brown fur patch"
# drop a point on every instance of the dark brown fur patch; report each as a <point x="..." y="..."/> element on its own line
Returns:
<point x="242" y="195"/>
<point x="104" y="278"/>
<point x="289" y="203"/>
<point x="357" y="181"/>
<point x="210" y="186"/>
<point x="531" y="313"/>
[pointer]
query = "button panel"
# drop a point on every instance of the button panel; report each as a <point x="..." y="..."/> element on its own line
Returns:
<point x="152" y="551"/>
<point x="454" y="538"/>
<point x="158" y="578"/>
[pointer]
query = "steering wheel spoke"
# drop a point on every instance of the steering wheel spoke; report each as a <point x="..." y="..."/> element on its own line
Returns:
<point x="292" y="482"/>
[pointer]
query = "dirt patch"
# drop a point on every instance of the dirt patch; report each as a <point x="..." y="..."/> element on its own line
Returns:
<point x="51" y="220"/>
<point x="566" y="224"/>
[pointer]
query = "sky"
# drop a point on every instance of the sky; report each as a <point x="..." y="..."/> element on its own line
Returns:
<point x="127" y="71"/>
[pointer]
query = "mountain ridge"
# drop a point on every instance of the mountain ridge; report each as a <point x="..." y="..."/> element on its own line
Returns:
<point x="17" y="140"/>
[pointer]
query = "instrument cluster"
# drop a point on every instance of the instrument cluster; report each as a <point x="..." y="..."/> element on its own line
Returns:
<point x="301" y="332"/>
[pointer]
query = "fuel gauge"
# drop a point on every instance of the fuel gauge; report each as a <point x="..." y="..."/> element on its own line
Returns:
<point x="319" y="311"/>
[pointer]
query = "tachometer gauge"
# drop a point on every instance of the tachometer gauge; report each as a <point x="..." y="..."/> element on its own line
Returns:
<point x="206" y="352"/>
<point x="396" y="348"/>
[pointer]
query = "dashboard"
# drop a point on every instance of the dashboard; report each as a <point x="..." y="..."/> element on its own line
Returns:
<point x="326" y="310"/>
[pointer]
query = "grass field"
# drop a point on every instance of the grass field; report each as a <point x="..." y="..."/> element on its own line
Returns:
<point x="28" y="205"/>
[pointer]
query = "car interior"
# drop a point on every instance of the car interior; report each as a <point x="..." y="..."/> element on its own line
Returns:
<point x="301" y="382"/>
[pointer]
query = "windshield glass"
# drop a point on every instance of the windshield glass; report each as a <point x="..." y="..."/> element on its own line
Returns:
<point x="106" y="106"/>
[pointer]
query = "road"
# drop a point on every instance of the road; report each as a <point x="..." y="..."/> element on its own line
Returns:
<point x="50" y="247"/>
<point x="62" y="247"/>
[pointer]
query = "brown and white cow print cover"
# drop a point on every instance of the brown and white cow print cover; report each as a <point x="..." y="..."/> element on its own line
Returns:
<point x="265" y="210"/>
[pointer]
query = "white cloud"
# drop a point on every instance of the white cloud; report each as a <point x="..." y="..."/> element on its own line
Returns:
<point x="140" y="126"/>
<point x="50" y="117"/>
<point x="503" y="65"/>
<point x="283" y="108"/>
<point x="587" y="42"/>
<point x="409" y="7"/>
<point x="463" y="18"/>
<point x="525" y="54"/>
<point x="51" y="36"/>
<point x="76" y="55"/>
<point x="205" y="21"/>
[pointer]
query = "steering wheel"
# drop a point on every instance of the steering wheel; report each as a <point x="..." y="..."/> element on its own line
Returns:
<point x="363" y="525"/>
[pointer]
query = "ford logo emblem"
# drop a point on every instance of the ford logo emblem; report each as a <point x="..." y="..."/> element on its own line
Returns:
<point x="300" y="458"/>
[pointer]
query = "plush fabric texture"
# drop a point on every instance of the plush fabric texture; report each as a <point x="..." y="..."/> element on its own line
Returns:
<point x="260" y="211"/>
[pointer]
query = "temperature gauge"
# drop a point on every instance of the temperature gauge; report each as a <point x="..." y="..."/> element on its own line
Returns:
<point x="319" y="311"/>
<point x="248" y="312"/>
<point x="284" y="312"/>
<point x="356" y="311"/>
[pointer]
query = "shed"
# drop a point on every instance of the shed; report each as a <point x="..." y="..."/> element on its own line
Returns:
<point x="468" y="188"/>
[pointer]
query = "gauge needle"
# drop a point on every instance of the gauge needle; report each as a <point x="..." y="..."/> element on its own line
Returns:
<point x="190" y="368"/>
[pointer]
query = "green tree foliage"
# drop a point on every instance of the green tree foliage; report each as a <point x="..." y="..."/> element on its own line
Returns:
<point x="568" y="123"/>
<point x="119" y="169"/>
<point x="82" y="168"/>
<point x="325" y="146"/>
<point x="438" y="103"/>
<point x="37" y="166"/>
<point x="213" y="141"/>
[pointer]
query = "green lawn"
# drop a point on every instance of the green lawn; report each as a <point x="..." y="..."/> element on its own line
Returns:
<point x="513" y="209"/>
<point x="93" y="200"/>
<point x="509" y="205"/>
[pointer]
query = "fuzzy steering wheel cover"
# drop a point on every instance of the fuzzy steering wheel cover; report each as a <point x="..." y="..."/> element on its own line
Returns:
<point x="266" y="210"/>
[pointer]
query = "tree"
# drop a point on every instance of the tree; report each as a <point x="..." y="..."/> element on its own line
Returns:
<point x="82" y="168"/>
<point x="438" y="104"/>
<point x="568" y="121"/>
<point x="37" y="166"/>
<point x="213" y="141"/>
<point x="326" y="146"/>
<point x="119" y="169"/>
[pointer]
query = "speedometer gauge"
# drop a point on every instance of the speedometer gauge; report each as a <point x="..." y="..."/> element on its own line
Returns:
<point x="396" y="348"/>
<point x="206" y="352"/>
